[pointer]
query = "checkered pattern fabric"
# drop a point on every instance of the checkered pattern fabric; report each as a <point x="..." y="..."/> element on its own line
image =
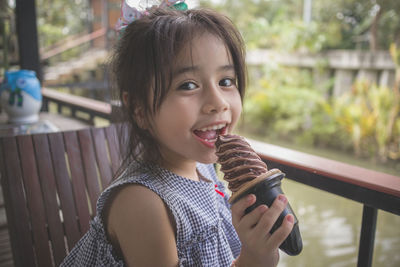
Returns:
<point x="205" y="235"/>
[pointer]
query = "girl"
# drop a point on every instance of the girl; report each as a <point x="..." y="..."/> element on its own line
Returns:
<point x="181" y="76"/>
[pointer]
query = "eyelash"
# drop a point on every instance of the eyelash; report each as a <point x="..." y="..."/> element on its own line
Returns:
<point x="184" y="86"/>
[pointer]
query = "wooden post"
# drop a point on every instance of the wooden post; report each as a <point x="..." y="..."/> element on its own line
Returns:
<point x="28" y="45"/>
<point x="98" y="21"/>
<point x="104" y="21"/>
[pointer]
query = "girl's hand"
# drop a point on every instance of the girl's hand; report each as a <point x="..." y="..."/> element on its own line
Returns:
<point x="259" y="247"/>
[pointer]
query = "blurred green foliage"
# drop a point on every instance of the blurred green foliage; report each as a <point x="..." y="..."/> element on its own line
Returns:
<point x="58" y="19"/>
<point x="340" y="24"/>
<point x="285" y="104"/>
<point x="369" y="115"/>
<point x="281" y="107"/>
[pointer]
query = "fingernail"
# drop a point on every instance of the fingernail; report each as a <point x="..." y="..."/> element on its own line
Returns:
<point x="249" y="198"/>
<point x="290" y="218"/>
<point x="263" y="208"/>
<point x="282" y="198"/>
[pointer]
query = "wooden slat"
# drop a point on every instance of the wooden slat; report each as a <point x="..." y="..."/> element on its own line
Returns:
<point x="35" y="200"/>
<point x="89" y="165"/>
<point x="102" y="156"/>
<point x="64" y="189"/>
<point x="6" y="259"/>
<point x="49" y="189"/>
<point x="113" y="147"/>
<point x="78" y="179"/>
<point x="5" y="243"/>
<point x="5" y="248"/>
<point x="17" y="213"/>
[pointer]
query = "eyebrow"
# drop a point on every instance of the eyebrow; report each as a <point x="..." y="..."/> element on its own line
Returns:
<point x="185" y="69"/>
<point x="227" y="67"/>
<point x="196" y="68"/>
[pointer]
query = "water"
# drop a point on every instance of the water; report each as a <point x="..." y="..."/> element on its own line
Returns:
<point x="330" y="226"/>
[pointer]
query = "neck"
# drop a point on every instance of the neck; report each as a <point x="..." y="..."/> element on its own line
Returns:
<point x="185" y="169"/>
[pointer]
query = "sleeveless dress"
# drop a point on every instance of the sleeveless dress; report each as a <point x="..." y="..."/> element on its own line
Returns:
<point x="204" y="232"/>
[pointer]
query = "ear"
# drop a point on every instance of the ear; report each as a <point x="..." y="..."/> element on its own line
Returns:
<point x="140" y="117"/>
<point x="139" y="114"/>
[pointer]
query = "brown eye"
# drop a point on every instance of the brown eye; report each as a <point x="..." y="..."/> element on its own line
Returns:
<point x="227" y="82"/>
<point x="187" y="86"/>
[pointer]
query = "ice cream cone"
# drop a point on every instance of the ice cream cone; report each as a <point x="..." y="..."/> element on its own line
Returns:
<point x="246" y="174"/>
<point x="238" y="194"/>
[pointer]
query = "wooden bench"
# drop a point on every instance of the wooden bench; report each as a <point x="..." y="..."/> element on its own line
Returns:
<point x="51" y="183"/>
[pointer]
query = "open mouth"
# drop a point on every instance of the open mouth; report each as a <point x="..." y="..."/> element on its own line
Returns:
<point x="208" y="135"/>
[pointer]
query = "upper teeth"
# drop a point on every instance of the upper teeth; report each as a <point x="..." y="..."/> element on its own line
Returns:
<point x="213" y="128"/>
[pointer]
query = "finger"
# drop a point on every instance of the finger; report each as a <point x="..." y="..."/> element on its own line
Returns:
<point x="269" y="218"/>
<point x="282" y="232"/>
<point x="239" y="207"/>
<point x="251" y="219"/>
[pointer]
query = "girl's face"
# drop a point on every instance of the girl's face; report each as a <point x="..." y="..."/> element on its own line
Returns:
<point x="202" y="103"/>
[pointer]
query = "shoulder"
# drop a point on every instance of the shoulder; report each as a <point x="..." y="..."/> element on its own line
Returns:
<point x="137" y="219"/>
<point x="136" y="198"/>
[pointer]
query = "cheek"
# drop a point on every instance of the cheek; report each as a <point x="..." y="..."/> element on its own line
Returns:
<point x="174" y="116"/>
<point x="236" y="108"/>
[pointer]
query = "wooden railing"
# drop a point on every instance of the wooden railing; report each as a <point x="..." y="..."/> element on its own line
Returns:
<point x="78" y="107"/>
<point x="375" y="190"/>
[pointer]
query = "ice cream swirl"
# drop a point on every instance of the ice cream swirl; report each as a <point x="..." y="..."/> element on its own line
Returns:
<point x="239" y="162"/>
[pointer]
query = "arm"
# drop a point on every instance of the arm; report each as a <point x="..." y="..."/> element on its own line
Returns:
<point x="259" y="247"/>
<point x="141" y="225"/>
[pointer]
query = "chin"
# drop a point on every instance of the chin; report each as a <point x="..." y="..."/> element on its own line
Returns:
<point x="208" y="160"/>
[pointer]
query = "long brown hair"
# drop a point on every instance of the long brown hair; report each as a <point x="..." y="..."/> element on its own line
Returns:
<point x="143" y="59"/>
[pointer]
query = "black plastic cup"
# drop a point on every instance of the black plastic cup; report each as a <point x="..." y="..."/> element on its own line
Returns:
<point x="266" y="191"/>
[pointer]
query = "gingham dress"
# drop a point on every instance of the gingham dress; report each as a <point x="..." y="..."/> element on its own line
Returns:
<point x="205" y="235"/>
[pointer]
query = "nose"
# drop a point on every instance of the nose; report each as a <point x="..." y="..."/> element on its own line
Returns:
<point x="215" y="100"/>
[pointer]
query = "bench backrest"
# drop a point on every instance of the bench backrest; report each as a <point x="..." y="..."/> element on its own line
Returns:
<point x="51" y="183"/>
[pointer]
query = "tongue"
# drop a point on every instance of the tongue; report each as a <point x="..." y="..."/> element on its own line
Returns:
<point x="206" y="134"/>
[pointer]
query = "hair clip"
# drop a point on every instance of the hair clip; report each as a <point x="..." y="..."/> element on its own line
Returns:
<point x="130" y="13"/>
<point x="182" y="6"/>
<point x="175" y="4"/>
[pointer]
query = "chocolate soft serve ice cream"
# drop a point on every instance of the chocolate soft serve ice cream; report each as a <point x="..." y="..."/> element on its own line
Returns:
<point x="241" y="165"/>
<point x="246" y="174"/>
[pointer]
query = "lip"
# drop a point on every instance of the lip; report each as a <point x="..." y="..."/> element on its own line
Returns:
<point x="210" y="143"/>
